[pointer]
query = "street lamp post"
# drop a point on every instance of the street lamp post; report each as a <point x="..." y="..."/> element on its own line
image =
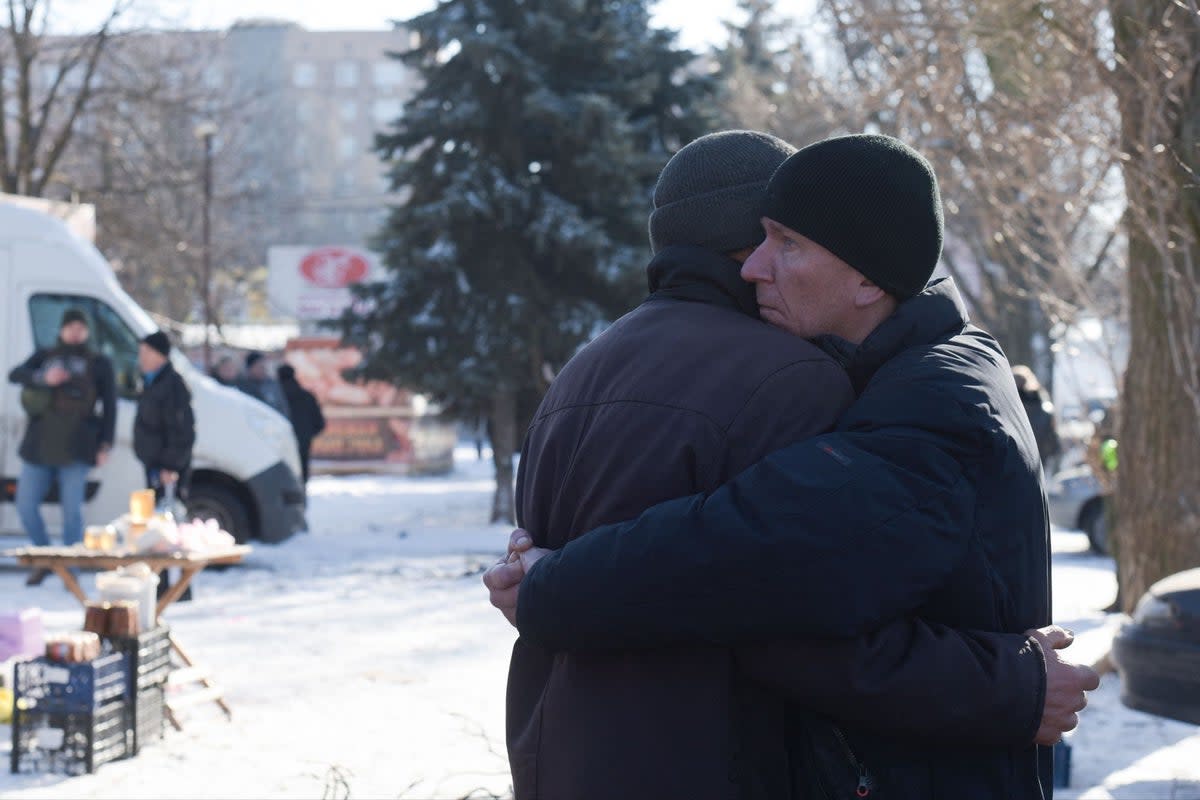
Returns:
<point x="205" y="131"/>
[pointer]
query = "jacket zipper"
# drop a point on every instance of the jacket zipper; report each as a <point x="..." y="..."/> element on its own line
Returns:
<point x="864" y="777"/>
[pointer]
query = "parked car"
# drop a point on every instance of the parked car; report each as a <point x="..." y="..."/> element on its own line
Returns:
<point x="1077" y="501"/>
<point x="1157" y="652"/>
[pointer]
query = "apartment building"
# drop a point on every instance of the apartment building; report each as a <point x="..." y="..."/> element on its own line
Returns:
<point x="321" y="96"/>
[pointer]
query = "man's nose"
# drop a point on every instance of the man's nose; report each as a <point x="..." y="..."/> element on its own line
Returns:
<point x="754" y="268"/>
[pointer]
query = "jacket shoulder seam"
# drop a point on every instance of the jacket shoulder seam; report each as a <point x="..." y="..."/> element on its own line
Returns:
<point x="631" y="401"/>
<point x="822" y="361"/>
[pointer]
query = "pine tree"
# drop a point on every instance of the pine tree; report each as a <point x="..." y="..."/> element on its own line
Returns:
<point x="767" y="79"/>
<point x="527" y="158"/>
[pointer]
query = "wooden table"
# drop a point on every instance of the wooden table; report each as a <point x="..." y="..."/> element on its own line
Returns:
<point x="60" y="560"/>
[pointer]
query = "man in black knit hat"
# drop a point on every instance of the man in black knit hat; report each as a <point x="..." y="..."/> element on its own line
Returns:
<point x="678" y="397"/>
<point x="70" y="398"/>
<point x="164" y="428"/>
<point x="925" y="500"/>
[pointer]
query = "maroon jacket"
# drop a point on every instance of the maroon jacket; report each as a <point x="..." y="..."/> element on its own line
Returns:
<point x="676" y="397"/>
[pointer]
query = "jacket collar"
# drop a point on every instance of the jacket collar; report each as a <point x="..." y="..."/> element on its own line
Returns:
<point x="151" y="377"/>
<point x="686" y="272"/>
<point x="62" y="348"/>
<point x="934" y="314"/>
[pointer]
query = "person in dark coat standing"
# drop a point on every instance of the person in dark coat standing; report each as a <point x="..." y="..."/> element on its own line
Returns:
<point x="226" y="371"/>
<point x="1040" y="410"/>
<point x="926" y="500"/>
<point x="680" y="396"/>
<point x="164" y="428"/>
<point x="307" y="419"/>
<point x="256" y="382"/>
<point x="71" y="400"/>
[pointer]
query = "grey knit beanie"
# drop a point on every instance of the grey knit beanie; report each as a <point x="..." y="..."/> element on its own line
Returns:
<point x="710" y="193"/>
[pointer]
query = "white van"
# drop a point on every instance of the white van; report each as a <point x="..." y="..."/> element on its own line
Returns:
<point x="246" y="464"/>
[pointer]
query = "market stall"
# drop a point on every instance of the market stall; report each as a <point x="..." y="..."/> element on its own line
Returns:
<point x="101" y="692"/>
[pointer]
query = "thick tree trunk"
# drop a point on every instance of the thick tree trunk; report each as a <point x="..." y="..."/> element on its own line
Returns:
<point x="503" y="419"/>
<point x="1157" y="509"/>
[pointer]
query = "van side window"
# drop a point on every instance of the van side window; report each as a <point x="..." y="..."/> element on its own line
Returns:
<point x="109" y="334"/>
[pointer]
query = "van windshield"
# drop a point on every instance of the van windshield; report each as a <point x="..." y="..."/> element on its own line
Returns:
<point x="110" y="335"/>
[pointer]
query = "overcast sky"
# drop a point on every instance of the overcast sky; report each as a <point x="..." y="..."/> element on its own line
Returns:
<point x="698" y="21"/>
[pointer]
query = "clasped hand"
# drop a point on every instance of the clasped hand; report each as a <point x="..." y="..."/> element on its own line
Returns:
<point x="503" y="579"/>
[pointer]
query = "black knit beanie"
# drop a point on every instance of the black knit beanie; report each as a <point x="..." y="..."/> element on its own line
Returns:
<point x="710" y="193"/>
<point x="72" y="315"/>
<point x="870" y="200"/>
<point x="158" y="341"/>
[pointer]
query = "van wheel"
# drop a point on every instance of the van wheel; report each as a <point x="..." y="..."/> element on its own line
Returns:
<point x="217" y="502"/>
<point x="1092" y="521"/>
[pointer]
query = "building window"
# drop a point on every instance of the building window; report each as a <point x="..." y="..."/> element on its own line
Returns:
<point x="389" y="73"/>
<point x="385" y="112"/>
<point x="347" y="147"/>
<point x="345" y="74"/>
<point x="304" y="75"/>
<point x="348" y="109"/>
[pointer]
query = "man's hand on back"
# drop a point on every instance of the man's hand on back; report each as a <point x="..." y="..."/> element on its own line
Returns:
<point x="1066" y="685"/>
<point x="503" y="579"/>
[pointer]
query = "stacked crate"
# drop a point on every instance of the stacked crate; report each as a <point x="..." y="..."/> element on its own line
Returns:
<point x="148" y="657"/>
<point x="70" y="718"/>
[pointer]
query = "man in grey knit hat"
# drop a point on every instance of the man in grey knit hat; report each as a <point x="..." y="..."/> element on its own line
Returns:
<point x="676" y="398"/>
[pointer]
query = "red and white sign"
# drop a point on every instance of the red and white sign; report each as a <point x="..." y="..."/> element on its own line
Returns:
<point x="313" y="283"/>
<point x="334" y="267"/>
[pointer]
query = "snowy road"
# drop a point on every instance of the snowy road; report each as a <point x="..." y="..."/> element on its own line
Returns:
<point x="362" y="658"/>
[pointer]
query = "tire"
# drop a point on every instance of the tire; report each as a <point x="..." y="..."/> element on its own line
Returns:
<point x="1093" y="522"/>
<point x="206" y="501"/>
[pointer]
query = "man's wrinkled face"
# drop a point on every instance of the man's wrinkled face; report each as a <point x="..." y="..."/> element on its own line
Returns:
<point x="75" y="333"/>
<point x="801" y="287"/>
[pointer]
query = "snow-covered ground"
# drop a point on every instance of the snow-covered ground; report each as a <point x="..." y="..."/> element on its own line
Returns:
<point x="361" y="659"/>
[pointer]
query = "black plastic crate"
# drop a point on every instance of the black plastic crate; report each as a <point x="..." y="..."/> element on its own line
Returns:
<point x="149" y="655"/>
<point x="70" y="743"/>
<point x="54" y="686"/>
<point x="149" y="708"/>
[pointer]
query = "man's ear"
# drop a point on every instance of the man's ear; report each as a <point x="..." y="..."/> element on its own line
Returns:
<point x="867" y="294"/>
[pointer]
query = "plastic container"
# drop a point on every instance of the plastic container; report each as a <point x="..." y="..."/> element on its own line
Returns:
<point x="134" y="583"/>
<point x="21" y="633"/>
<point x="70" y="743"/>
<point x="148" y="713"/>
<point x="56" y="687"/>
<point x="149" y="655"/>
